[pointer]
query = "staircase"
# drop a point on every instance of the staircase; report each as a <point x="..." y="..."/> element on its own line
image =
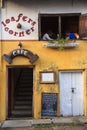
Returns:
<point x="23" y="94"/>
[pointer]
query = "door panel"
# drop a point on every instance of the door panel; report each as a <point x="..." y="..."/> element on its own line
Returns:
<point x="78" y="94"/>
<point x="71" y="93"/>
<point x="83" y="26"/>
<point x="65" y="101"/>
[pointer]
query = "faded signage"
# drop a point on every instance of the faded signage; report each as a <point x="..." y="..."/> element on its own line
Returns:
<point x="20" y="52"/>
<point x="22" y="31"/>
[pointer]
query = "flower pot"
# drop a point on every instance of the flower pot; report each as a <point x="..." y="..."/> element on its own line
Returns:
<point x="65" y="45"/>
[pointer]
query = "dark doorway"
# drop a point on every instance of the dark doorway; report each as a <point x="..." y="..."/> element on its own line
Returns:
<point x="20" y="92"/>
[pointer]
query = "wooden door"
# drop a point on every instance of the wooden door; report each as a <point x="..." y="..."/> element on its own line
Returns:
<point x="83" y="26"/>
<point x="71" y="93"/>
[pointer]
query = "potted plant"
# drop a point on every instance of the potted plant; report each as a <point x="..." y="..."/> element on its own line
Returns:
<point x="62" y="43"/>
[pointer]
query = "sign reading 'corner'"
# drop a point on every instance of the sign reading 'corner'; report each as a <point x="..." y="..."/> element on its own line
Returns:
<point x="20" y="26"/>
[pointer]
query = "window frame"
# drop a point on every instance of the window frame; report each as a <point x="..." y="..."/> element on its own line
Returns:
<point x="59" y="21"/>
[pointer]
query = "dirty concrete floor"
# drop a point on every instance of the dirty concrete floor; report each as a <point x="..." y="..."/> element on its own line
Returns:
<point x="71" y="123"/>
<point x="84" y="127"/>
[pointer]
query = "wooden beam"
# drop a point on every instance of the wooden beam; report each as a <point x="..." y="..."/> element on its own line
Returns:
<point x="59" y="19"/>
<point x="1" y="3"/>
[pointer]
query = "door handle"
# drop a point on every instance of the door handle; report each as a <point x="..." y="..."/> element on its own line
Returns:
<point x="73" y="90"/>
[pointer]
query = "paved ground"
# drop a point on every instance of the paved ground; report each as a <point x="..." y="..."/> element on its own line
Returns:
<point x="69" y="123"/>
<point x="53" y="128"/>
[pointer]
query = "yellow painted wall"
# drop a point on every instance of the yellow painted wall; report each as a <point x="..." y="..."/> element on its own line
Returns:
<point x="49" y="60"/>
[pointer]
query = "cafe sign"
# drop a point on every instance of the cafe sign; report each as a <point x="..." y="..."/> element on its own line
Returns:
<point x="20" y="52"/>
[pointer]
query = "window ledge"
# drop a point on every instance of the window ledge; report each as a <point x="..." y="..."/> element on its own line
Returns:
<point x="66" y="45"/>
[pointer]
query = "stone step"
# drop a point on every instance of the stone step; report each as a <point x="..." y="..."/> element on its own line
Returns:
<point x="23" y="102"/>
<point x="21" y="113"/>
<point x="25" y="82"/>
<point x="28" y="77"/>
<point x="19" y="98"/>
<point x="25" y="88"/>
<point x="25" y="85"/>
<point x="24" y="93"/>
<point x="22" y="107"/>
<point x="23" y="97"/>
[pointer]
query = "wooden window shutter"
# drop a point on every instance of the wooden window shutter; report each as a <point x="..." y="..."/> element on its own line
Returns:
<point x="83" y="26"/>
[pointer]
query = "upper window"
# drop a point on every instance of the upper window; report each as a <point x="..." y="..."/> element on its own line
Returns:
<point x="59" y="24"/>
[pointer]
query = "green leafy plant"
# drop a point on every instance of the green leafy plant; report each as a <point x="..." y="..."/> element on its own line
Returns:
<point x="61" y="41"/>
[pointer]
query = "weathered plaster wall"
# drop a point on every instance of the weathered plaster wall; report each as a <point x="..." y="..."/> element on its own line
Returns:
<point x="31" y="9"/>
<point x="50" y="6"/>
<point x="49" y="59"/>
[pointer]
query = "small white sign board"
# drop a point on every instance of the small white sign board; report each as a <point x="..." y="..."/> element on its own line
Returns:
<point x="47" y="77"/>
